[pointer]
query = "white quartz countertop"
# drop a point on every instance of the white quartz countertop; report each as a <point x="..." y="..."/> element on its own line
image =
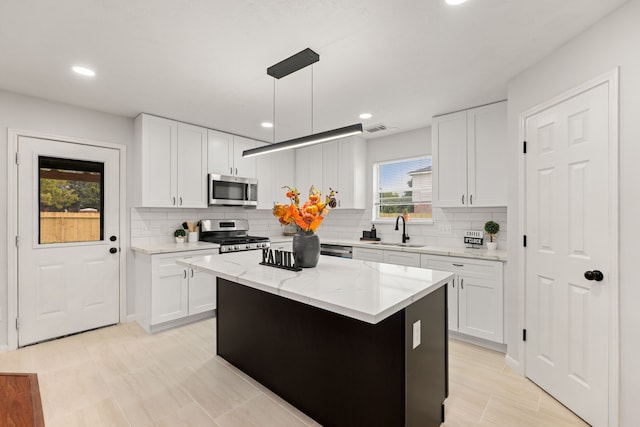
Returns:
<point x="497" y="255"/>
<point x="164" y="248"/>
<point x="362" y="290"/>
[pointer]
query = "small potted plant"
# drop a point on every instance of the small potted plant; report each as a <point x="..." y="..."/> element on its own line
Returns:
<point x="179" y="235"/>
<point x="405" y="214"/>
<point x="491" y="228"/>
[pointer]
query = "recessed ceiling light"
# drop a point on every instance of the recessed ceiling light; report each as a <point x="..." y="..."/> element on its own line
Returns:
<point x="365" y="115"/>
<point x="266" y="124"/>
<point x="83" y="71"/>
<point x="455" y="2"/>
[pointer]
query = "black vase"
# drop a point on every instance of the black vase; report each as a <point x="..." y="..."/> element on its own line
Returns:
<point x="306" y="249"/>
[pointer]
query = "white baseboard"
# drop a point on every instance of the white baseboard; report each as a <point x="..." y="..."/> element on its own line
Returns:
<point x="513" y="364"/>
<point x="3" y="348"/>
<point x="132" y="318"/>
<point x="502" y="348"/>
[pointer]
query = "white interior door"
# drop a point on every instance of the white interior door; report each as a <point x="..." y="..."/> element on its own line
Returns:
<point x="69" y="231"/>
<point x="567" y="223"/>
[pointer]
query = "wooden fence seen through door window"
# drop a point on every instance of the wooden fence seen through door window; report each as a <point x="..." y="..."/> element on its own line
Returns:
<point x="65" y="227"/>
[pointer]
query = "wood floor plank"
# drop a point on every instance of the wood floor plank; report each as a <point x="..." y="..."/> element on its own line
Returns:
<point x="20" y="403"/>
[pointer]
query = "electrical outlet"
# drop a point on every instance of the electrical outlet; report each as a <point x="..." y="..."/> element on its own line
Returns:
<point x="416" y="334"/>
<point x="444" y="228"/>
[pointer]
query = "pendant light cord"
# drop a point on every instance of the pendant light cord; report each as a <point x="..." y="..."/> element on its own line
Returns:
<point x="274" y="111"/>
<point x="312" y="99"/>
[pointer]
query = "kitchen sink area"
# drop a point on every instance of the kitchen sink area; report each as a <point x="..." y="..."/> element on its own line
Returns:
<point x="402" y="245"/>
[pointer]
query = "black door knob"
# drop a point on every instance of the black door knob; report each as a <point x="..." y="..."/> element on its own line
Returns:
<point x="113" y="238"/>
<point x="113" y="250"/>
<point x="594" y="275"/>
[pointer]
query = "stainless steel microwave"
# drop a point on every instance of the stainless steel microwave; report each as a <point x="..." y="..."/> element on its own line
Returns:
<point x="233" y="191"/>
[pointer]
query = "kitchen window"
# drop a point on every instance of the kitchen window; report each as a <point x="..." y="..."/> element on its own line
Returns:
<point x="403" y="186"/>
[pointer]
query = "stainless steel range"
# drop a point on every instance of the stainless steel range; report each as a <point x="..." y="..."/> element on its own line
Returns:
<point x="231" y="234"/>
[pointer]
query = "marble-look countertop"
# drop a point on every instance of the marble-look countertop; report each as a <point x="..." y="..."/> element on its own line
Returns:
<point x="363" y="290"/>
<point x="497" y="255"/>
<point x="165" y="248"/>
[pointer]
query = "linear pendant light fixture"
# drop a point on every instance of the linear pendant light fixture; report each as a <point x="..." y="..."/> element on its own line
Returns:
<point x="283" y="68"/>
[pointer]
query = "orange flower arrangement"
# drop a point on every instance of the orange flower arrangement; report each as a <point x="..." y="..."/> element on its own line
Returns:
<point x="310" y="215"/>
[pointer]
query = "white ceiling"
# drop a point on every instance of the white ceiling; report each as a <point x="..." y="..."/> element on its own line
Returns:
<point x="205" y="61"/>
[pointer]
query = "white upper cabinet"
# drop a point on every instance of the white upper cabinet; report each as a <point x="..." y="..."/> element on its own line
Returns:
<point x="352" y="166"/>
<point x="225" y="155"/>
<point x="192" y="166"/>
<point x="172" y="159"/>
<point x="449" y="142"/>
<point x="486" y="155"/>
<point x="469" y="161"/>
<point x="274" y="170"/>
<point x="308" y="170"/>
<point x="339" y="165"/>
<point x="220" y="151"/>
<point x="243" y="166"/>
<point x="330" y="168"/>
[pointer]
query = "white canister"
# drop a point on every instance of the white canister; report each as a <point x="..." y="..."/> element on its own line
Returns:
<point x="193" y="236"/>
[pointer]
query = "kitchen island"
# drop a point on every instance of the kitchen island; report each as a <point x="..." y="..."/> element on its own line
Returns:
<point x="350" y="343"/>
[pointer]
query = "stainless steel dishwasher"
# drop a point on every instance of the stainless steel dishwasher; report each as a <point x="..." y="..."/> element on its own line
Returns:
<point x="340" y="251"/>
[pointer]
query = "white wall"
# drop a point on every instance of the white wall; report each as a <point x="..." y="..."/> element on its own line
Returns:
<point x="33" y="114"/>
<point x="612" y="42"/>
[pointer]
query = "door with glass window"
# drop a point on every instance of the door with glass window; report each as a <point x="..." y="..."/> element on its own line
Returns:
<point x="68" y="238"/>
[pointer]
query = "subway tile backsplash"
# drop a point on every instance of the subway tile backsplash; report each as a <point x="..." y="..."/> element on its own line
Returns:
<point x="153" y="225"/>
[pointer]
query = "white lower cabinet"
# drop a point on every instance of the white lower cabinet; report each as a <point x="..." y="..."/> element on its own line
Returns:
<point x="390" y="257"/>
<point x="168" y="294"/>
<point x="402" y="258"/>
<point x="475" y="295"/>
<point x="367" y="254"/>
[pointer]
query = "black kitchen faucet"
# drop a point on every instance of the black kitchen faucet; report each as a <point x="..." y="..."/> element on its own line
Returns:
<point x="405" y="236"/>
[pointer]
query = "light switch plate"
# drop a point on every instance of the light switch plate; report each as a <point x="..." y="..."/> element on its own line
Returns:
<point x="416" y="334"/>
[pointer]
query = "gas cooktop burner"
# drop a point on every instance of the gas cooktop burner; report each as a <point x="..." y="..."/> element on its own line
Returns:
<point x="231" y="235"/>
<point x="234" y="240"/>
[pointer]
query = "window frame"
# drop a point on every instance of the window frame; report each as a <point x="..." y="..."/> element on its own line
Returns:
<point x="375" y="201"/>
<point x="60" y="163"/>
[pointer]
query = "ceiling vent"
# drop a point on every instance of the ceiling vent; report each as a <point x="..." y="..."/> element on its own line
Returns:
<point x="376" y="128"/>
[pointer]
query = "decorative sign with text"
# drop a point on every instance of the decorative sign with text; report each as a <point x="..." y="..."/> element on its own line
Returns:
<point x="279" y="259"/>
<point x="473" y="237"/>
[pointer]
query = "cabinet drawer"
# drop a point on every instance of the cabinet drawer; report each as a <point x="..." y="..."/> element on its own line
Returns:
<point x="366" y="254"/>
<point x="402" y="258"/>
<point x="469" y="267"/>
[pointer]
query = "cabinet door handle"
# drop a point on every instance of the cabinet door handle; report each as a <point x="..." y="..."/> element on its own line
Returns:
<point x="230" y="170"/>
<point x="185" y="273"/>
<point x="174" y="201"/>
<point x="191" y="269"/>
<point x="471" y="199"/>
<point x="463" y="199"/>
<point x="461" y="283"/>
<point x="453" y="283"/>
<point x="236" y="171"/>
<point x="458" y="265"/>
<point x="180" y="200"/>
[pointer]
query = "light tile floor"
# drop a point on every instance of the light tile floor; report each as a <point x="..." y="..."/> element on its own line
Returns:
<point x="122" y="376"/>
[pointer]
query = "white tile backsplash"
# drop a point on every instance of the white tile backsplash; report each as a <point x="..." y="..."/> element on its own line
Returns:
<point x="152" y="225"/>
